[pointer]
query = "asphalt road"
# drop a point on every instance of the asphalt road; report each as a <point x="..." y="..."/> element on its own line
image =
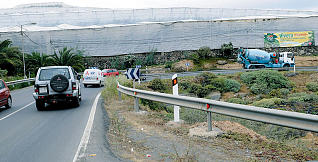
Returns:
<point x="53" y="135"/>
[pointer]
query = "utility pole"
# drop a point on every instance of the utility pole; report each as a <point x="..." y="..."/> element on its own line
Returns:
<point x="23" y="54"/>
<point x="21" y="27"/>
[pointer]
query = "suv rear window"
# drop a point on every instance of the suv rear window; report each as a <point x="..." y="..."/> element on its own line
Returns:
<point x="47" y="74"/>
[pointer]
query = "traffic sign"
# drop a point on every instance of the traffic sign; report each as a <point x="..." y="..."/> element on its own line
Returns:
<point x="138" y="66"/>
<point x="133" y="73"/>
<point x="187" y="64"/>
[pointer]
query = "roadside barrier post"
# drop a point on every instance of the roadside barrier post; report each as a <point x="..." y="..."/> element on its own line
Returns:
<point x="175" y="92"/>
<point x="136" y="105"/>
<point x="119" y="95"/>
<point x="294" y="66"/>
<point x="209" y="121"/>
<point x="29" y="78"/>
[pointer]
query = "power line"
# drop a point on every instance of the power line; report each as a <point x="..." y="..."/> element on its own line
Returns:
<point x="30" y="39"/>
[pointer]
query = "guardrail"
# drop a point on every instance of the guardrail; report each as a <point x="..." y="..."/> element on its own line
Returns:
<point x="20" y="81"/>
<point x="272" y="116"/>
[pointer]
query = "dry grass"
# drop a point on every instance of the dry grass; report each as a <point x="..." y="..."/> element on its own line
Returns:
<point x="302" y="78"/>
<point x="306" y="60"/>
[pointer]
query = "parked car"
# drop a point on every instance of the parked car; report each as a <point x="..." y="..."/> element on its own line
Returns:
<point x="93" y="77"/>
<point x="5" y="97"/>
<point x="57" y="84"/>
<point x="110" y="72"/>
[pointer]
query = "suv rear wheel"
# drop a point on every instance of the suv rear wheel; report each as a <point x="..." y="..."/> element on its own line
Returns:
<point x="40" y="105"/>
<point x="9" y="103"/>
<point x="76" y="103"/>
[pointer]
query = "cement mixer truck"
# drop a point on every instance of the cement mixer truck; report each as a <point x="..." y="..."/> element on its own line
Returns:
<point x="255" y="58"/>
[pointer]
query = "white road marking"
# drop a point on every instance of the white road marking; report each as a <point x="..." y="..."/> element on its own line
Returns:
<point x="85" y="138"/>
<point x="18" y="110"/>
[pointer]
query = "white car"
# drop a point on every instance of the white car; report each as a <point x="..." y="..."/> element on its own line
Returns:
<point x="93" y="77"/>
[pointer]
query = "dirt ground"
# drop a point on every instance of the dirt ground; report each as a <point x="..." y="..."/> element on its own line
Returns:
<point x="146" y="137"/>
<point x="181" y="65"/>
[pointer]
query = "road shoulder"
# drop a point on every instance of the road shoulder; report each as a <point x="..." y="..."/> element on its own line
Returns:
<point x="98" y="148"/>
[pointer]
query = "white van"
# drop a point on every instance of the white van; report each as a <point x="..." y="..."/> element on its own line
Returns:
<point x="93" y="77"/>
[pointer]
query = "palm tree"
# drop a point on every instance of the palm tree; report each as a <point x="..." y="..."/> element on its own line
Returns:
<point x="37" y="60"/>
<point x="69" y="57"/>
<point x="10" y="58"/>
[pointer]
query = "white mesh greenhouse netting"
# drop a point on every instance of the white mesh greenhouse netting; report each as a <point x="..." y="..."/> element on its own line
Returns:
<point x="105" y="32"/>
<point x="163" y="37"/>
<point x="54" y="14"/>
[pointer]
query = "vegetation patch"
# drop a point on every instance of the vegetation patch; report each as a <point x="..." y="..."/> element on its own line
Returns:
<point x="268" y="103"/>
<point x="264" y="81"/>
<point x="312" y="86"/>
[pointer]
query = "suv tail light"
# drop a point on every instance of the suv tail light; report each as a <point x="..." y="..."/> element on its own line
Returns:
<point x="36" y="90"/>
<point x="73" y="86"/>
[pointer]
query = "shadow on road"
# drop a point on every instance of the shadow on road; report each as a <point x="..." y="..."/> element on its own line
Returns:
<point x="59" y="107"/>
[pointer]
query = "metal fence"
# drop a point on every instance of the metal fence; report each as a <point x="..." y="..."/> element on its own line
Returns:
<point x="29" y="80"/>
<point x="277" y="117"/>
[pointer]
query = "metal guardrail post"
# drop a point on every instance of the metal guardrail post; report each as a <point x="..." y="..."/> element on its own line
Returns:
<point x="119" y="96"/>
<point x="136" y="106"/>
<point x="209" y="121"/>
<point x="29" y="78"/>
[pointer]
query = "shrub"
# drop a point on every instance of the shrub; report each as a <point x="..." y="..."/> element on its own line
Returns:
<point x="168" y="64"/>
<point x="282" y="133"/>
<point x="275" y="93"/>
<point x="268" y="103"/>
<point x="204" y="52"/>
<point x="155" y="106"/>
<point x="302" y="97"/>
<point x="210" y="87"/>
<point x="227" y="50"/>
<point x="157" y="85"/>
<point x="226" y="85"/>
<point x="195" y="57"/>
<point x="205" y="78"/>
<point x="264" y="81"/>
<point x="312" y="86"/>
<point x="198" y="90"/>
<point x="193" y="88"/>
<point x="150" y="58"/>
<point x="3" y="73"/>
<point x="219" y="83"/>
<point x="185" y="85"/>
<point x="202" y="92"/>
<point x="280" y="93"/>
<point x="284" y="92"/>
<point x="292" y="100"/>
<point x="231" y="85"/>
<point x="259" y="88"/>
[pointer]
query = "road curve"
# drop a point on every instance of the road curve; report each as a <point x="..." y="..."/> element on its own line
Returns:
<point x="51" y="136"/>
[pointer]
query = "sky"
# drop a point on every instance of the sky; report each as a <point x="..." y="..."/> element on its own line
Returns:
<point x="259" y="4"/>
